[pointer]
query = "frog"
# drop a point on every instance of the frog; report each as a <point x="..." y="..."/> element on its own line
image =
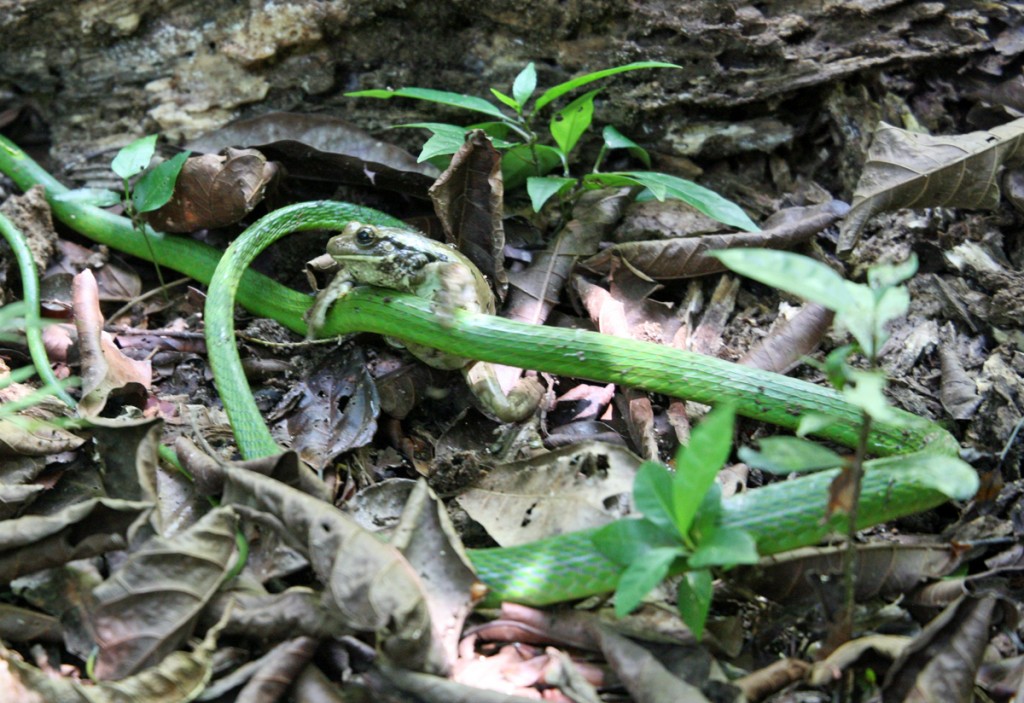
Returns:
<point x="406" y="261"/>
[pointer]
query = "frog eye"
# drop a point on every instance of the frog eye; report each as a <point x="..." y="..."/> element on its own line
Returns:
<point x="365" y="236"/>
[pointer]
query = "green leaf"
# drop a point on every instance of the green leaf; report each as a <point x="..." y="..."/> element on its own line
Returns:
<point x="663" y="186"/>
<point x="506" y="100"/>
<point x="709" y="514"/>
<point x="784" y="455"/>
<point x="891" y="304"/>
<point x="698" y="464"/>
<point x="517" y="164"/>
<point x="561" y="89"/>
<point x="445" y="139"/>
<point x="629" y="540"/>
<point x="882" y="276"/>
<point x="542" y="188"/>
<point x="524" y="84"/>
<point x="568" y="124"/>
<point x="812" y="423"/>
<point x="614" y="139"/>
<point x="156" y="186"/>
<point x="641" y="577"/>
<point x="948" y="475"/>
<point x="836" y="367"/>
<point x="653" y="494"/>
<point x="442" y="97"/>
<point x="135" y="157"/>
<point x="866" y="392"/>
<point x="793" y="273"/>
<point x="724" y="547"/>
<point x="694" y="599"/>
<point x="97" y="197"/>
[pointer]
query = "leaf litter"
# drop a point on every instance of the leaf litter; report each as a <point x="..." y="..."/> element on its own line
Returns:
<point x="329" y="577"/>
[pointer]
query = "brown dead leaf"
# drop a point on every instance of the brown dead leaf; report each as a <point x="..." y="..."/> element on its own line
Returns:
<point x="907" y="169"/>
<point x="372" y="585"/>
<point x="468" y="199"/>
<point x="569" y="489"/>
<point x="883" y="569"/>
<point x="941" y="663"/>
<point x="335" y="409"/>
<point x="106" y="372"/>
<point x="33" y="542"/>
<point x="669" y="259"/>
<point x="788" y="344"/>
<point x="324" y="148"/>
<point x="147" y="608"/>
<point x="178" y="678"/>
<point x="115" y="280"/>
<point x="214" y="190"/>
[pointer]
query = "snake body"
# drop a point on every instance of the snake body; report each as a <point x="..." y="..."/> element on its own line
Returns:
<point x="565" y="567"/>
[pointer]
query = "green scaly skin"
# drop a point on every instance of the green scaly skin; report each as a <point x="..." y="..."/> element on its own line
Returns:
<point x="782" y="516"/>
<point x="33" y="321"/>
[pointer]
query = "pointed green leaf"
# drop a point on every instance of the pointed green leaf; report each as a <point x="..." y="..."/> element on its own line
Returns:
<point x="694" y="599"/>
<point x="156" y="186"/>
<point x="785" y="455"/>
<point x="442" y="97"/>
<point x="614" y="139"/>
<point x="641" y="577"/>
<point x="882" y="276"/>
<point x="653" y="494"/>
<point x="867" y="393"/>
<point x="698" y="464"/>
<point x="561" y="89"/>
<point x="134" y="158"/>
<point x="525" y="83"/>
<point x="445" y="139"/>
<point x="662" y="186"/>
<point x="793" y="273"/>
<point x="542" y="188"/>
<point x="724" y="547"/>
<point x="629" y="540"/>
<point x="506" y="100"/>
<point x="523" y="161"/>
<point x="568" y="124"/>
<point x="708" y="515"/>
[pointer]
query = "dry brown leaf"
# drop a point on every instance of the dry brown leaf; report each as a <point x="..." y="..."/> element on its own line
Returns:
<point x="570" y="489"/>
<point x="105" y="370"/>
<point x="468" y="199"/>
<point x="668" y="259"/>
<point x="214" y="191"/>
<point x="907" y="169"/>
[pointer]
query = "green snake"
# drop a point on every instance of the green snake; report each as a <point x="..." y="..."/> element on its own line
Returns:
<point x="782" y="516"/>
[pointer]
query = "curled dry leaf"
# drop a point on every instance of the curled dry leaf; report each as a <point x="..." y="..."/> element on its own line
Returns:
<point x="146" y="609"/>
<point x="372" y="585"/>
<point x="469" y="200"/>
<point x="33" y="542"/>
<point x="883" y="569"/>
<point x="907" y="169"/>
<point x="668" y="259"/>
<point x="214" y="190"/>
<point x="324" y="148"/>
<point x="941" y="663"/>
<point x="105" y="370"/>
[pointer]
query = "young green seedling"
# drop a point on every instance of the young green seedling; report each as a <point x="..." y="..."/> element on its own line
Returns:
<point x="680" y="527"/>
<point x="864" y="310"/>
<point x="527" y="161"/>
<point x="154" y="187"/>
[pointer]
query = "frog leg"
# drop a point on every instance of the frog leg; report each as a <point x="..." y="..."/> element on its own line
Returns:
<point x="316" y="315"/>
<point x="517" y="405"/>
